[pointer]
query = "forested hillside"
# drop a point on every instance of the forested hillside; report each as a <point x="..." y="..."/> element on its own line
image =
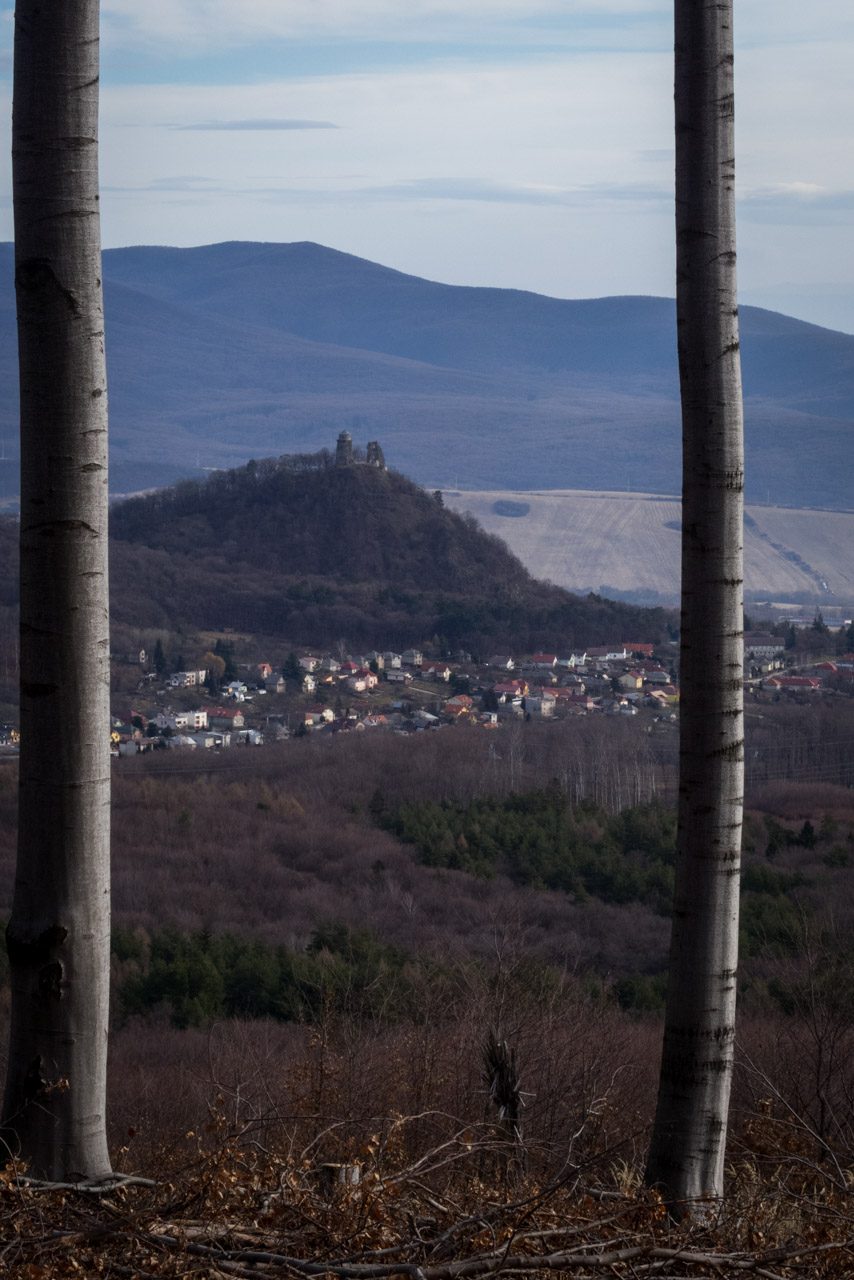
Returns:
<point x="302" y="548"/>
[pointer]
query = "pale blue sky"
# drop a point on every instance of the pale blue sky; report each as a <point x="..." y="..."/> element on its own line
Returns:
<point x="518" y="143"/>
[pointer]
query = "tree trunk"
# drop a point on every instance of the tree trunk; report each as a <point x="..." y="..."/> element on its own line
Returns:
<point x="59" y="934"/>
<point x="689" y="1135"/>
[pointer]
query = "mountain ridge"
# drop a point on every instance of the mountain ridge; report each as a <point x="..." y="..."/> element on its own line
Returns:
<point x="224" y="352"/>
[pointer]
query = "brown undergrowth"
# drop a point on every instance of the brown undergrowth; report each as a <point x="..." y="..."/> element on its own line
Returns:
<point x="461" y="1208"/>
<point x="294" y="1151"/>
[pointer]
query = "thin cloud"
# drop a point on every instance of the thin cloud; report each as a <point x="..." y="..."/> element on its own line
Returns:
<point x="245" y="126"/>
<point x="210" y="24"/>
<point x="515" y="193"/>
<point x="797" y="203"/>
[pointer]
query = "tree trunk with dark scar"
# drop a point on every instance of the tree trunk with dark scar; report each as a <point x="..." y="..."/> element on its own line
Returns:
<point x="59" y="934"/>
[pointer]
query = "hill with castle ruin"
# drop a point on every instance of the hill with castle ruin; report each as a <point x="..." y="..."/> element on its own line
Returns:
<point x="328" y="546"/>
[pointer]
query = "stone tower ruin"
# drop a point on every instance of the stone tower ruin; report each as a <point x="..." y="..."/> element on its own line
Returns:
<point x="375" y="455"/>
<point x="344" y="450"/>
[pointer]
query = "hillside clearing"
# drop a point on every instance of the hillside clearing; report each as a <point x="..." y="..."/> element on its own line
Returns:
<point x="592" y="540"/>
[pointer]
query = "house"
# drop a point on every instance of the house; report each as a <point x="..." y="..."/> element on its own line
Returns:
<point x="656" y="698"/>
<point x="192" y="719"/>
<point x="187" y="679"/>
<point x="373" y="656"/>
<point x="392" y="660"/>
<point x="758" y="644"/>
<point x="632" y="646"/>
<point x="322" y="714"/>
<point x="331" y="665"/>
<point x="370" y="677"/>
<point x="574" y="700"/>
<point x="373" y="722"/>
<point x="804" y="684"/>
<point x="309" y="684"/>
<point x="573" y="660"/>
<point x="226" y="718"/>
<point x="264" y="671"/>
<point x="173" y="723"/>
<point x="542" y="706"/>
<point x="356" y="683"/>
<point x="126" y="733"/>
<point x="459" y="708"/>
<point x="544" y="661"/>
<point x="654" y="674"/>
<point x="607" y="653"/>
<point x="507" y="690"/>
<point x="613" y="706"/>
<point x="436" y="671"/>
<point x="502" y="660"/>
<point x="630" y="681"/>
<point x="309" y="663"/>
<point x="396" y="676"/>
<point x="412" y="657"/>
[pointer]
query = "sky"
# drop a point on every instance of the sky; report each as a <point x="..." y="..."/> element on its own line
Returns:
<point x="517" y="143"/>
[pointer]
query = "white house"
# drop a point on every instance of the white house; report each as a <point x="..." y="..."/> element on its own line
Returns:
<point x="187" y="679"/>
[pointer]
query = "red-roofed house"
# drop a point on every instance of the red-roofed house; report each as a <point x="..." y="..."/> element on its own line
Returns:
<point x="458" y="706"/>
<point x="544" y="660"/>
<point x="225" y="718"/>
<point x="509" y="689"/>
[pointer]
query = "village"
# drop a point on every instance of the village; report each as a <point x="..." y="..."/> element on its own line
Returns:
<point x="408" y="692"/>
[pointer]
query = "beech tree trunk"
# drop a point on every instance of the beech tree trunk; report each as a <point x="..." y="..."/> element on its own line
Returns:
<point x="59" y="933"/>
<point x="689" y="1136"/>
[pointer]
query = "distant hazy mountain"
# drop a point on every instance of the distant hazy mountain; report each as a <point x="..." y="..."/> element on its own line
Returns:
<point x="241" y="350"/>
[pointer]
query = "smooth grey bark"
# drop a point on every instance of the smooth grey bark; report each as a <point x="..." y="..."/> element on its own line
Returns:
<point x="59" y="932"/>
<point x="689" y="1135"/>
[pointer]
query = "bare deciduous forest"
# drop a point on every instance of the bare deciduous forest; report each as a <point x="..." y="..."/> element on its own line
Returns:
<point x="278" y="875"/>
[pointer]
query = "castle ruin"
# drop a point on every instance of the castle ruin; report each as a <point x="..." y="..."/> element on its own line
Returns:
<point x="344" y="450"/>
<point x="345" y="457"/>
